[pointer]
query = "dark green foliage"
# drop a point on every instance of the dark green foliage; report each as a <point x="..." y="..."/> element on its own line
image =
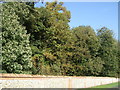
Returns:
<point x="56" y="50"/>
<point x="108" y="52"/>
<point x="16" y="51"/>
<point x="86" y="52"/>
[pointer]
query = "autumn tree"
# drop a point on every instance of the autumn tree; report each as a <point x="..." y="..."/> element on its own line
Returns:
<point x="61" y="39"/>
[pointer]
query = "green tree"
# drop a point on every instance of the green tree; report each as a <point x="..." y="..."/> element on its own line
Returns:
<point x="35" y="21"/>
<point x="86" y="48"/>
<point x="16" y="51"/>
<point x="41" y="38"/>
<point x="108" y="52"/>
<point x="118" y="63"/>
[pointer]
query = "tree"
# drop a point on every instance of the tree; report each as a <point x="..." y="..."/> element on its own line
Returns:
<point x="87" y="46"/>
<point x="118" y="63"/>
<point x="50" y="35"/>
<point x="108" y="51"/>
<point x="40" y="39"/>
<point x="43" y="35"/>
<point x="16" y="51"/>
<point x="61" y="38"/>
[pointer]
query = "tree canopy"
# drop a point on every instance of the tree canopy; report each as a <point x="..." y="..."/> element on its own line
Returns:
<point x="40" y="41"/>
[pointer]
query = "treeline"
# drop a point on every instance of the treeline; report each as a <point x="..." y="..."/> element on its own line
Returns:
<point x="39" y="40"/>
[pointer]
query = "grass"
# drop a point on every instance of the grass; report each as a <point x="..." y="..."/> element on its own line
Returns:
<point x="103" y="87"/>
<point x="112" y="85"/>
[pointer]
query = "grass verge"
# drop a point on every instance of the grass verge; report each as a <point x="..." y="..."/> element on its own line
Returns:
<point x="111" y="85"/>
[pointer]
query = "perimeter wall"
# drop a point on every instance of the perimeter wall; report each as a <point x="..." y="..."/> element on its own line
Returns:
<point x="38" y="81"/>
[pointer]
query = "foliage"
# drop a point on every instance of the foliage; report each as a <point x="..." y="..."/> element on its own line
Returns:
<point x="87" y="45"/>
<point x="16" y="51"/>
<point x="108" y="51"/>
<point x="43" y="35"/>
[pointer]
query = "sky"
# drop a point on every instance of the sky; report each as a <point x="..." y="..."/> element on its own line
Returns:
<point x="94" y="14"/>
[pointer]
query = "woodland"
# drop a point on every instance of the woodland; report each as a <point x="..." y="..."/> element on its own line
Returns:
<point x="40" y="41"/>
